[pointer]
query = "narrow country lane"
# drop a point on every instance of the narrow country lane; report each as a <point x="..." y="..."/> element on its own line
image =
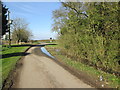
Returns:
<point x="39" y="71"/>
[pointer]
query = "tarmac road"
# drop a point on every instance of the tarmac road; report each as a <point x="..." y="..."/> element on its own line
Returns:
<point x="39" y="71"/>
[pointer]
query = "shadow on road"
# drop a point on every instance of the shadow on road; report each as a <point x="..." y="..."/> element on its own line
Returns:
<point x="23" y="53"/>
<point x="22" y="45"/>
<point x="41" y="45"/>
<point x="14" y="54"/>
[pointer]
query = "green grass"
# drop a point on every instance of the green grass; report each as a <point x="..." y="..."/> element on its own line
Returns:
<point x="110" y="79"/>
<point x="52" y="46"/>
<point x="35" y="42"/>
<point x="0" y="67"/>
<point x="50" y="42"/>
<point x="8" y="63"/>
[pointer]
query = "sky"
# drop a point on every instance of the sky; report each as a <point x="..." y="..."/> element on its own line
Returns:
<point x="37" y="14"/>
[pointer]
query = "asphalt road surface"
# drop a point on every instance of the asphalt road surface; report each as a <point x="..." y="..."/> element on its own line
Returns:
<point x="39" y="71"/>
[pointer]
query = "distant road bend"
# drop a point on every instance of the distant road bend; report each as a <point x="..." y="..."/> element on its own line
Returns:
<point x="39" y="71"/>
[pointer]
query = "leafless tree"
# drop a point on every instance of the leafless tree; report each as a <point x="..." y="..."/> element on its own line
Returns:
<point x="20" y="31"/>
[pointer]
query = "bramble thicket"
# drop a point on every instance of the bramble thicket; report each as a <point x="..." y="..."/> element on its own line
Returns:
<point x="89" y="32"/>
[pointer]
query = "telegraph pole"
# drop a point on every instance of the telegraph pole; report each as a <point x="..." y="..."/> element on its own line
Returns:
<point x="9" y="28"/>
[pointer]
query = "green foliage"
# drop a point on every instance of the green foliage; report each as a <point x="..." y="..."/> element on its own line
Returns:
<point x="3" y="18"/>
<point x="90" y="31"/>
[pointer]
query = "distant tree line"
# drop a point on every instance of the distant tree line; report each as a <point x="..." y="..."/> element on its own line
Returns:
<point x="90" y="33"/>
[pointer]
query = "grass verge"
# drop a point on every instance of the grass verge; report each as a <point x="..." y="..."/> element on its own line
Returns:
<point x="109" y="79"/>
<point x="9" y="58"/>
